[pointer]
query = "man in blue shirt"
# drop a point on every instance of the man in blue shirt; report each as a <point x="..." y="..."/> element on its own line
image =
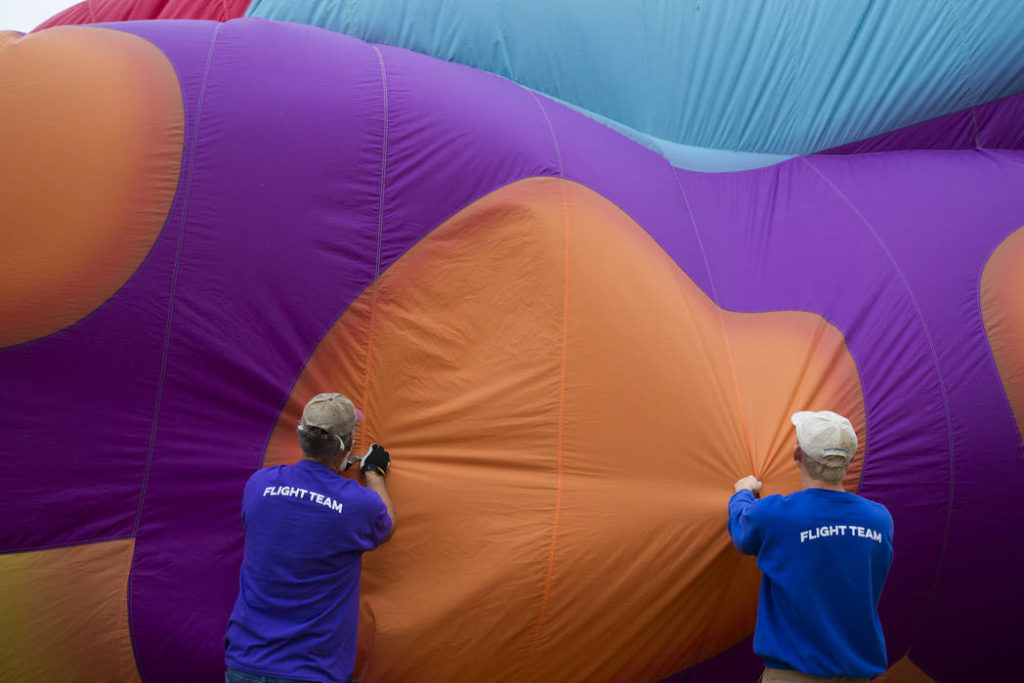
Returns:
<point x="306" y="529"/>
<point x="824" y="554"/>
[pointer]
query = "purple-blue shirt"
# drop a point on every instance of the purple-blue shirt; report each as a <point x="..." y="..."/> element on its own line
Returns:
<point x="824" y="556"/>
<point x="297" y="610"/>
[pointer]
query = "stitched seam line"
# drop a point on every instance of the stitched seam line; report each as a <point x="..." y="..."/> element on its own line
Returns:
<point x="732" y="363"/>
<point x="561" y="397"/>
<point x="167" y="330"/>
<point x="380" y="233"/>
<point x="499" y="12"/>
<point x="938" y="374"/>
<point x="721" y="319"/>
<point x="962" y="43"/>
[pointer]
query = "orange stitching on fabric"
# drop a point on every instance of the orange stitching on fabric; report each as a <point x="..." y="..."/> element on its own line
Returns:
<point x="561" y="395"/>
<point x="561" y="426"/>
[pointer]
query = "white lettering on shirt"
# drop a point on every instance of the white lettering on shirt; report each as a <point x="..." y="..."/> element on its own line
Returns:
<point x="295" y="492"/>
<point x="840" y="530"/>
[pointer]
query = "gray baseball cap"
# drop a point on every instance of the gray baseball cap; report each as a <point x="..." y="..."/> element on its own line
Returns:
<point x="333" y="413"/>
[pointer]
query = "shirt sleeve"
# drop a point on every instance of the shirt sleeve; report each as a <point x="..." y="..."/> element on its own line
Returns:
<point x="377" y="521"/>
<point x="743" y="527"/>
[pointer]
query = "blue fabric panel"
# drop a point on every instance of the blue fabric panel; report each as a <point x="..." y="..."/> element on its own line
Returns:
<point x="765" y="76"/>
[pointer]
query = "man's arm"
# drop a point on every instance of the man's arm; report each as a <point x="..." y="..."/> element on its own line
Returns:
<point x="374" y="465"/>
<point x="375" y="482"/>
<point x="746" y="535"/>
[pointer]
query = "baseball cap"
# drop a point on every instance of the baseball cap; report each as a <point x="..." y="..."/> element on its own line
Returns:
<point x="333" y="413"/>
<point x="823" y="435"/>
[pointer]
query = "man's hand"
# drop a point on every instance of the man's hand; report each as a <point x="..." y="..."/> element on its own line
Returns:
<point x="376" y="460"/>
<point x="750" y="483"/>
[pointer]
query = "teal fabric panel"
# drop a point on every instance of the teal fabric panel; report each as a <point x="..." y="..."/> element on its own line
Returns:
<point x="764" y="76"/>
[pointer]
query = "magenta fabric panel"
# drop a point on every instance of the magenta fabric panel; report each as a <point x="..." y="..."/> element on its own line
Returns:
<point x="94" y="11"/>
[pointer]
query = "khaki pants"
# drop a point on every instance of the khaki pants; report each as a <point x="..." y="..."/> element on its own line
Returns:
<point x="787" y="676"/>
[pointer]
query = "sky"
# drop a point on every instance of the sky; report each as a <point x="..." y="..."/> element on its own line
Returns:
<point x="25" y="15"/>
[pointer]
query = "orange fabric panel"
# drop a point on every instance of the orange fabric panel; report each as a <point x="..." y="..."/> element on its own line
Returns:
<point x="904" y="671"/>
<point x="563" y="407"/>
<point x="65" y="614"/>
<point x="91" y="127"/>
<point x="1002" y="307"/>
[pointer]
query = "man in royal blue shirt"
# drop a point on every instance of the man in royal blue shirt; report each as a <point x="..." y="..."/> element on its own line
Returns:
<point x="306" y="529"/>
<point x="824" y="555"/>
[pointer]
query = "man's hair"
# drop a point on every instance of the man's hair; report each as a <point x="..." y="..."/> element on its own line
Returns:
<point x="319" y="444"/>
<point x="824" y="472"/>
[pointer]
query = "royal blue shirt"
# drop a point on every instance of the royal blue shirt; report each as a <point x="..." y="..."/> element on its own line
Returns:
<point x="297" y="611"/>
<point x="824" y="556"/>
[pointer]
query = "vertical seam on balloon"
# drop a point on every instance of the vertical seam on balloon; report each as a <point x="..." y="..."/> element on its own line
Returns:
<point x="224" y="6"/>
<point x="645" y="83"/>
<point x="561" y="393"/>
<point x="938" y="373"/>
<point x="728" y="346"/>
<point x="972" y="94"/>
<point x="186" y="197"/>
<point x="499" y="6"/>
<point x="721" y="319"/>
<point x="92" y="15"/>
<point x="380" y="229"/>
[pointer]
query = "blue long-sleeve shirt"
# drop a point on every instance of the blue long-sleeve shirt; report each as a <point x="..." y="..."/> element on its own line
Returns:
<point x="824" y="556"/>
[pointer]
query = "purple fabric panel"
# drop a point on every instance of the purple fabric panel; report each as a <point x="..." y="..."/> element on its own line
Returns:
<point x="454" y="135"/>
<point x="999" y="125"/>
<point x="101" y="377"/>
<point x="283" y="163"/>
<point x="77" y="465"/>
<point x="941" y="214"/>
<point x="806" y="250"/>
<point x="281" y="235"/>
<point x="638" y="181"/>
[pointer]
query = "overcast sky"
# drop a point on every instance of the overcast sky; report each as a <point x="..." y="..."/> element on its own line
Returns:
<point x="25" y="15"/>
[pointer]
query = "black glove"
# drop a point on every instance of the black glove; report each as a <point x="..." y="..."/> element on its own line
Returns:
<point x="376" y="460"/>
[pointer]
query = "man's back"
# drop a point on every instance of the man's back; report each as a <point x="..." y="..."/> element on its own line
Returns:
<point x="305" y="531"/>
<point x="824" y="555"/>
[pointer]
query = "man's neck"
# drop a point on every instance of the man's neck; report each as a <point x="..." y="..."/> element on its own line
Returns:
<point x="333" y="466"/>
<point x="809" y="483"/>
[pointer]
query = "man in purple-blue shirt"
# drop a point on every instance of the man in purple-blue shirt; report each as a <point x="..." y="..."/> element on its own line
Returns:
<point x="306" y="528"/>
<point x="824" y="554"/>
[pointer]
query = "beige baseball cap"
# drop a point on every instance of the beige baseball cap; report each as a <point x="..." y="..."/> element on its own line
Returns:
<point x="333" y="413"/>
<point x="824" y="435"/>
